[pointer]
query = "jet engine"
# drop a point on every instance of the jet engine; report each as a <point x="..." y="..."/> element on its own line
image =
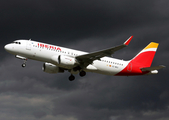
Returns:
<point x="51" y="68"/>
<point x="64" y="60"/>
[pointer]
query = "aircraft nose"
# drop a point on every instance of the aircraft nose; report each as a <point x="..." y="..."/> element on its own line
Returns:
<point x="7" y="47"/>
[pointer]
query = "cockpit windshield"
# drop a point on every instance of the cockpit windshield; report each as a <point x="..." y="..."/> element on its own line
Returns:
<point x="15" y="42"/>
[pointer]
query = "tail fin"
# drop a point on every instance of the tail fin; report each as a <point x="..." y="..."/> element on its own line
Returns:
<point x="145" y="57"/>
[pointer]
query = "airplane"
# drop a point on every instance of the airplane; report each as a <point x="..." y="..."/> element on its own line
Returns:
<point x="59" y="59"/>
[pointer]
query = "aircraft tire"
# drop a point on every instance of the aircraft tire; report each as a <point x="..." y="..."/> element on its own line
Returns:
<point x="82" y="73"/>
<point x="23" y="65"/>
<point x="71" y="78"/>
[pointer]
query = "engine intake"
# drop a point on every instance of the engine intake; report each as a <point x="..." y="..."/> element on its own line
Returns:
<point x="51" y="68"/>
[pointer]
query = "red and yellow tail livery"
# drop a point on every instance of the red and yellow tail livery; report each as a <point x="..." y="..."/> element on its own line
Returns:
<point x="146" y="56"/>
<point x="141" y="63"/>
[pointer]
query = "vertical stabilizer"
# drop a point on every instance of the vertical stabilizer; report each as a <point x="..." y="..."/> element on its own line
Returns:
<point x="146" y="56"/>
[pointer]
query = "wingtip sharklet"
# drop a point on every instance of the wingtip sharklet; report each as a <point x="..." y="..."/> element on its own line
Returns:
<point x="128" y="41"/>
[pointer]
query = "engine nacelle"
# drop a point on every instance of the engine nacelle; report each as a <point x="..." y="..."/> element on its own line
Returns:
<point x="51" y="68"/>
<point x="64" y="60"/>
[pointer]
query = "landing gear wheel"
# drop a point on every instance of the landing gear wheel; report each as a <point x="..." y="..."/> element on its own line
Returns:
<point x="82" y="73"/>
<point x="23" y="65"/>
<point x="71" y="78"/>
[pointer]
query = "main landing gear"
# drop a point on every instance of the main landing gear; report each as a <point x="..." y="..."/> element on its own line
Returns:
<point x="24" y="65"/>
<point x="72" y="77"/>
<point x="82" y="73"/>
<point x="22" y="58"/>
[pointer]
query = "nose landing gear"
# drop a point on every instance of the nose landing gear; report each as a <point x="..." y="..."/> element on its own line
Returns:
<point x="24" y="65"/>
<point x="22" y="58"/>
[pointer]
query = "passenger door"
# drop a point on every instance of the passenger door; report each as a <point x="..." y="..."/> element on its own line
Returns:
<point x="28" y="45"/>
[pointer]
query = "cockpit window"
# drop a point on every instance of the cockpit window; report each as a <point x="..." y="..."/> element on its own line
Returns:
<point x="16" y="42"/>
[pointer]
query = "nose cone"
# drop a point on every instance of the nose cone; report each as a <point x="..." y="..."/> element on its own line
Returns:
<point x="7" y="47"/>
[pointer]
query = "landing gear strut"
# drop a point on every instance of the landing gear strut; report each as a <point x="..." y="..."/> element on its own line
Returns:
<point x="71" y="78"/>
<point x="22" y="58"/>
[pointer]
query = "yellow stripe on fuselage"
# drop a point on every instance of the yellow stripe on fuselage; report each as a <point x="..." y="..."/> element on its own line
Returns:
<point x="151" y="45"/>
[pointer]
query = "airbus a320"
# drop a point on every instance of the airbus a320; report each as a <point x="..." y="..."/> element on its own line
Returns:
<point x="59" y="59"/>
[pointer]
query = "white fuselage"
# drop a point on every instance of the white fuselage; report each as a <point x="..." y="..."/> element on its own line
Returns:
<point x="44" y="52"/>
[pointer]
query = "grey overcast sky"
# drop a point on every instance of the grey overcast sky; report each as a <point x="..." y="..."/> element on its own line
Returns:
<point x="88" y="25"/>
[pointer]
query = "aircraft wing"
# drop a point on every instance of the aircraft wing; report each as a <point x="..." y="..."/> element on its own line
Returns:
<point x="152" y="68"/>
<point x="87" y="59"/>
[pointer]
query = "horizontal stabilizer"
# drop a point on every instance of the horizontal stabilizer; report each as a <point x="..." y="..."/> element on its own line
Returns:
<point x="153" y="68"/>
